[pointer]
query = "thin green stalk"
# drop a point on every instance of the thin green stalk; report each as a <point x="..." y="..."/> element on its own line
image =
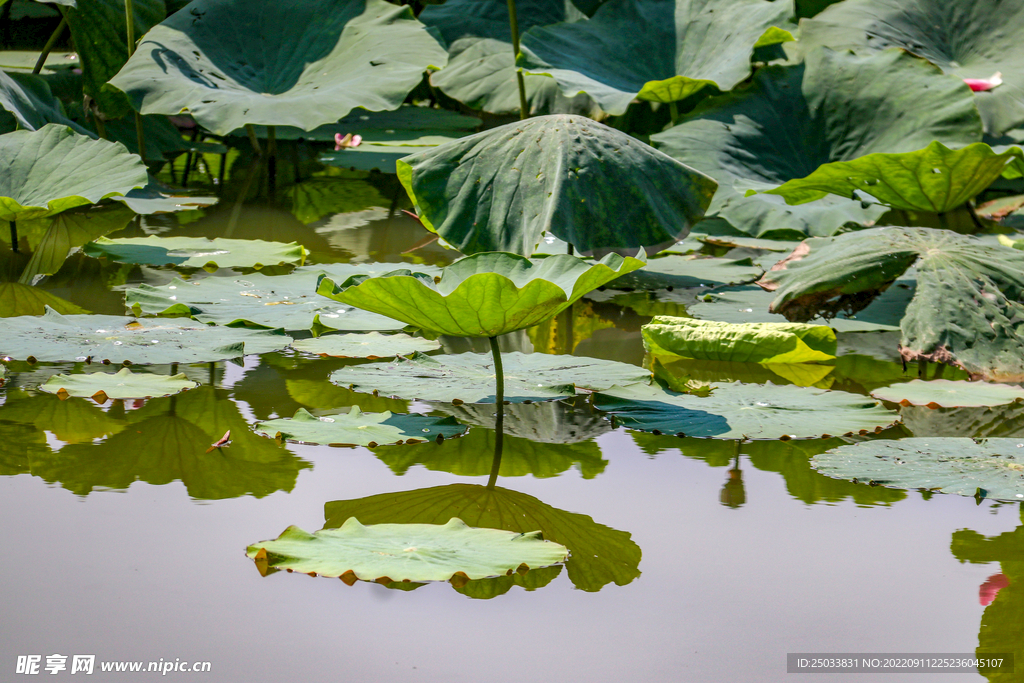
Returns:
<point x="141" y="135"/>
<point x="54" y="37"/>
<point x="673" y="111"/>
<point x="14" y="236"/>
<point x="499" y="439"/>
<point x="272" y="159"/>
<point x="499" y="418"/>
<point x="129" y="20"/>
<point x="513" y="22"/>
<point x="253" y="140"/>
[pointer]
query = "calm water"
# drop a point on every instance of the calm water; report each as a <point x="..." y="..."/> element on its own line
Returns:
<point x="124" y="539"/>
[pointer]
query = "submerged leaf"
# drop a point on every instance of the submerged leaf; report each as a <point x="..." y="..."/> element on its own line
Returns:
<point x="357" y="428"/>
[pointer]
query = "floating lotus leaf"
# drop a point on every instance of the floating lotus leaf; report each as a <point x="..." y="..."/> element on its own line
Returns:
<point x="469" y="377"/>
<point x="483" y="295"/>
<point x="55" y="337"/>
<point x="569" y="176"/>
<point x="73" y="422"/>
<point x="357" y="428"/>
<point x="18" y="299"/>
<point x="959" y="38"/>
<point x="746" y="342"/>
<point x="407" y="552"/>
<point x="599" y="555"/>
<point x="977" y="423"/>
<point x="679" y="272"/>
<point x="286" y="301"/>
<point x="54" y="169"/>
<point x="989" y="468"/>
<point x="196" y="252"/>
<point x="371" y="345"/>
<point x="966" y="304"/>
<point x="944" y="393"/>
<point x="657" y="51"/>
<point x="156" y="198"/>
<point x="304" y="64"/>
<point x="798" y="120"/>
<point x="686" y="375"/>
<point x="551" y="422"/>
<point x="122" y="384"/>
<point x="65" y="232"/>
<point x="317" y="394"/>
<point x="744" y="411"/>
<point x="29" y="99"/>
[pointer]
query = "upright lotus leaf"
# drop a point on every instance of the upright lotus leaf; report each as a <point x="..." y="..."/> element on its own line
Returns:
<point x="744" y="411"/>
<point x="357" y="428"/>
<point x="965" y="309"/>
<point x="657" y="50"/>
<point x="983" y="422"/>
<point x="99" y="31"/>
<point x="964" y="39"/>
<point x="590" y="185"/>
<point x="944" y="393"/>
<point x="407" y="552"/>
<point x="196" y="252"/>
<point x="119" y="385"/>
<point x="746" y="343"/>
<point x="304" y="63"/>
<point x="18" y="299"/>
<point x="29" y="99"/>
<point x="54" y="169"/>
<point x="55" y="337"/>
<point x="484" y="295"/>
<point x="370" y="345"/>
<point x="599" y="555"/>
<point x="67" y="231"/>
<point x="798" y="120"/>
<point x="678" y="272"/>
<point x="469" y="377"/>
<point x="987" y="468"/>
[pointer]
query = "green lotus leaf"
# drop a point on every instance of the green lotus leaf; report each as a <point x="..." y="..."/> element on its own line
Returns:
<point x="408" y="552"/>
<point x="73" y="422"/>
<point x="795" y="121"/>
<point x="370" y="345"/>
<point x="155" y="198"/>
<point x="959" y="38"/>
<point x="318" y="395"/>
<point x="29" y="99"/>
<point x="976" y="423"/>
<point x="25" y="60"/>
<point x="657" y="51"/>
<point x="54" y="169"/>
<point x="196" y="252"/>
<point x="745" y="342"/>
<point x="548" y="422"/>
<point x="55" y="337"/>
<point x="744" y="411"/>
<point x="68" y="231"/>
<point x="20" y="445"/>
<point x="745" y="242"/>
<point x="569" y="176"/>
<point x="286" y="301"/>
<point x="987" y="468"/>
<point x="316" y="197"/>
<point x="17" y="299"/>
<point x="686" y="375"/>
<point x="484" y="295"/>
<point x="964" y="309"/>
<point x="357" y="428"/>
<point x="599" y="554"/>
<point x="304" y="64"/>
<point x="679" y="272"/>
<point x="122" y="384"/>
<point x="469" y="377"/>
<point x="944" y="393"/>
<point x="563" y="333"/>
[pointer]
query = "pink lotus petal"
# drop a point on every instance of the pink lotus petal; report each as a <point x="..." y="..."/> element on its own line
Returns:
<point x="993" y="584"/>
<point x="982" y="84"/>
<point x="345" y="141"/>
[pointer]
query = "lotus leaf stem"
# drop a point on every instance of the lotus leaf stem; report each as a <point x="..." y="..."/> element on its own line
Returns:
<point x="271" y="159"/>
<point x="253" y="140"/>
<point x="14" y="236"/>
<point x="513" y="22"/>
<point x="499" y="416"/>
<point x="129" y="20"/>
<point x="673" y="110"/>
<point x="54" y="37"/>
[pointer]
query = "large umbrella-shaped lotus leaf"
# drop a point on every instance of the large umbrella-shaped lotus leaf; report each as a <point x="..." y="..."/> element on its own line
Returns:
<point x="967" y="39"/>
<point x="590" y="185"/>
<point x="29" y="99"/>
<point x="658" y="50"/>
<point x="798" y="120"/>
<point x="966" y="308"/>
<point x="54" y="169"/>
<point x="304" y="63"/>
<point x="484" y="295"/>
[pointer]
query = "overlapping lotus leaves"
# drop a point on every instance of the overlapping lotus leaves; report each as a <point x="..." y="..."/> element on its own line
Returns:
<point x="304" y="64"/>
<point x="977" y="423"/>
<point x="469" y="377"/>
<point x="987" y="468"/>
<point x="357" y="428"/>
<point x="371" y="345"/>
<point x="55" y="337"/>
<point x="745" y="342"/>
<point x="122" y="384"/>
<point x="196" y="252"/>
<point x="483" y="295"/>
<point x="29" y="99"/>
<point x="590" y="185"/>
<point x="599" y="554"/>
<point x="660" y="51"/>
<point x="286" y="301"/>
<point x="944" y="393"/>
<point x="965" y="309"/>
<point x="678" y="272"/>
<point x="19" y="299"/>
<point x="54" y="169"/>
<point x="744" y="411"/>
<point x="68" y="230"/>
<point x="834" y="107"/>
<point x="407" y="552"/>
<point x="959" y="37"/>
